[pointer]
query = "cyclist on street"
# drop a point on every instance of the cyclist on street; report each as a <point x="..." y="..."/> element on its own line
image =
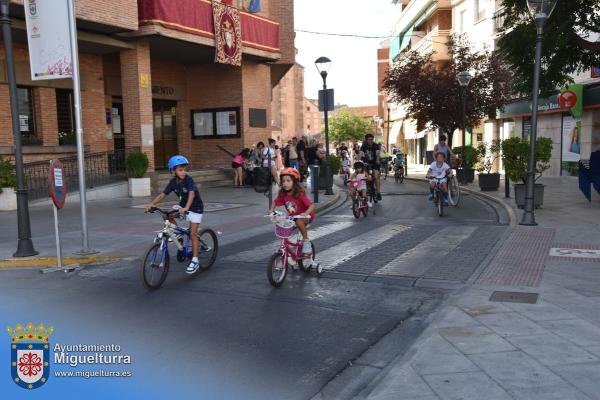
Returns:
<point x="438" y="173"/>
<point x="189" y="200"/>
<point x="294" y="199"/>
<point x="360" y="173"/>
<point x="442" y="147"/>
<point x="370" y="153"/>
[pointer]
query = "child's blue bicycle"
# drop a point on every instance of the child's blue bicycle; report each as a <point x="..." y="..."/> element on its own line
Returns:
<point x="156" y="262"/>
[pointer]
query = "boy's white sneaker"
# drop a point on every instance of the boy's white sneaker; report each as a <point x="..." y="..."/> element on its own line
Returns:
<point x="192" y="268"/>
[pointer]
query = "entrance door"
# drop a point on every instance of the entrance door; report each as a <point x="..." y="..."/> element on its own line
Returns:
<point x="117" y="125"/>
<point x="165" y="132"/>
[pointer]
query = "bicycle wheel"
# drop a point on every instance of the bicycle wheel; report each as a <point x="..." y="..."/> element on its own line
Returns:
<point x="453" y="191"/>
<point x="209" y="248"/>
<point x="365" y="208"/>
<point x="440" y="203"/>
<point x="276" y="270"/>
<point x="356" y="207"/>
<point x="153" y="274"/>
<point x="301" y="263"/>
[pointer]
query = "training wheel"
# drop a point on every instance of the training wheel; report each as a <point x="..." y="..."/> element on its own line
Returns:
<point x="320" y="269"/>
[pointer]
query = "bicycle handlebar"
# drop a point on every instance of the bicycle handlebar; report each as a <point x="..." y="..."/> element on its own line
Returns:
<point x="164" y="211"/>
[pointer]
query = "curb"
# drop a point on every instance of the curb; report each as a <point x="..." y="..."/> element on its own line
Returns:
<point x="40" y="262"/>
<point x="509" y="210"/>
<point x="331" y="200"/>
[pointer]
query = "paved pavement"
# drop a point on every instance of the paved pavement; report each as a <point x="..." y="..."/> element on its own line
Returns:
<point x="541" y="340"/>
<point x="227" y="332"/>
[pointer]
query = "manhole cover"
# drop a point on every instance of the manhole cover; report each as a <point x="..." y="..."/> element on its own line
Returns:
<point x="514" y="297"/>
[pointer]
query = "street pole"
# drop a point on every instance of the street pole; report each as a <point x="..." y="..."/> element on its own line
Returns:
<point x="463" y="95"/>
<point x="25" y="245"/>
<point x="328" y="173"/>
<point x="85" y="248"/>
<point x="388" y="128"/>
<point x="528" y="214"/>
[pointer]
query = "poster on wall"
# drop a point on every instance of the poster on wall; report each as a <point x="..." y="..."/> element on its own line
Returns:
<point x="571" y="139"/>
<point x="48" y="39"/>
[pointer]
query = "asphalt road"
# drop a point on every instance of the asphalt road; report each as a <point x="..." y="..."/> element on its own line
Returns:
<point x="226" y="333"/>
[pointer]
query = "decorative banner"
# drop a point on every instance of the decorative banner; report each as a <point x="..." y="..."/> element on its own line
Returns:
<point x="252" y="6"/>
<point x="228" y="34"/>
<point x="572" y="97"/>
<point x="48" y="38"/>
<point x="571" y="139"/>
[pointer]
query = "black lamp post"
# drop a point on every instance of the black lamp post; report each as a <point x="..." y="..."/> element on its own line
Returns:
<point x="323" y="64"/>
<point x="25" y="245"/>
<point x="389" y="112"/>
<point x="540" y="10"/>
<point x="464" y="78"/>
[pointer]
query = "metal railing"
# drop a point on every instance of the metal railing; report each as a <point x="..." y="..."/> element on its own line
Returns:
<point x="100" y="169"/>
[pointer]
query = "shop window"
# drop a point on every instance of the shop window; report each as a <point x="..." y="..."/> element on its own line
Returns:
<point x="65" y="115"/>
<point x="27" y="116"/>
<point x="217" y="122"/>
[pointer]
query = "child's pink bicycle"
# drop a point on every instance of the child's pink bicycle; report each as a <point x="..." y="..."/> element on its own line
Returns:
<point x="289" y="251"/>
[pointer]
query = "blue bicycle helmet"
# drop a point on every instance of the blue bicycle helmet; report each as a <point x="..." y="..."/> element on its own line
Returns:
<point x="176" y="161"/>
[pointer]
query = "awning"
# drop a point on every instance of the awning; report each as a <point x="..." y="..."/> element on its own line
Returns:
<point x="406" y="38"/>
<point x="410" y="129"/>
<point x="395" y="131"/>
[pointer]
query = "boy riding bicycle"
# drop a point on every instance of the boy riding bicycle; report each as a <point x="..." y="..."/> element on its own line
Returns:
<point x="438" y="174"/>
<point x="189" y="200"/>
<point x="294" y="199"/>
<point x="399" y="162"/>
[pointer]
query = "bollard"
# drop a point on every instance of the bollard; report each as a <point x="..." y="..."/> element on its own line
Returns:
<point x="506" y="186"/>
<point x="315" y="183"/>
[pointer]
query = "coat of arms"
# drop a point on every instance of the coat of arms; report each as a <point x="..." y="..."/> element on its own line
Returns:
<point x="30" y="355"/>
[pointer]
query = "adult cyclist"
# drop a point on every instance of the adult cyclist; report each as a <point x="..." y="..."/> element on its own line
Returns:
<point x="370" y="153"/>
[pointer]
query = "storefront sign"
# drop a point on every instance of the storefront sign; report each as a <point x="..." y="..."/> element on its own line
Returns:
<point x="48" y="39"/>
<point x="573" y="100"/>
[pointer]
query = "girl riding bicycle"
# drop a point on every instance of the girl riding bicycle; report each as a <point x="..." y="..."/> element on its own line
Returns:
<point x="360" y="173"/>
<point x="189" y="199"/>
<point x="294" y="199"/>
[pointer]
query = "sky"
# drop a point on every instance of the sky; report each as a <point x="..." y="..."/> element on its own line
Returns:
<point x="353" y="72"/>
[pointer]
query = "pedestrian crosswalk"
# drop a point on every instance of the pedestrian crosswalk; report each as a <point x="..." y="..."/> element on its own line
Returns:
<point x="392" y="248"/>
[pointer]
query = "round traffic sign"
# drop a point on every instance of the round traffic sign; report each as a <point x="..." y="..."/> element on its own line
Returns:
<point x="57" y="184"/>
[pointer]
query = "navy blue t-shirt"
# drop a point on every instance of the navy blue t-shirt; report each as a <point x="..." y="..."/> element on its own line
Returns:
<point x="182" y="189"/>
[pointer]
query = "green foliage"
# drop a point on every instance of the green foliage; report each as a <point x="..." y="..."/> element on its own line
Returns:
<point x="468" y="155"/>
<point x="8" y="179"/>
<point x="137" y="164"/>
<point x="515" y="155"/>
<point x="488" y="153"/>
<point x="336" y="165"/>
<point x="347" y="127"/>
<point x="566" y="50"/>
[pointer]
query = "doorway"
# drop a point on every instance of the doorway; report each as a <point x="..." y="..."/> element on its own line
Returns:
<point x="117" y="125"/>
<point x="165" y="131"/>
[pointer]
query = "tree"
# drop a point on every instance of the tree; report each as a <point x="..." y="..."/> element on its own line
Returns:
<point x="567" y="48"/>
<point x="430" y="94"/>
<point x="347" y="127"/>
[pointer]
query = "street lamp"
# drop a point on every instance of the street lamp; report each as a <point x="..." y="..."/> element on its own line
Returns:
<point x="323" y="64"/>
<point x="389" y="112"/>
<point x="25" y="245"/>
<point x="540" y="11"/>
<point x="464" y="78"/>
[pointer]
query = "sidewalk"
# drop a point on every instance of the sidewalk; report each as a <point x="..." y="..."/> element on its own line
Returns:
<point x="541" y="340"/>
<point x="119" y="228"/>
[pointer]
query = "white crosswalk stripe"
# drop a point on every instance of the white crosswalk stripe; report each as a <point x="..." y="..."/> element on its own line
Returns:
<point x="420" y="258"/>
<point x="261" y="252"/>
<point x="342" y="252"/>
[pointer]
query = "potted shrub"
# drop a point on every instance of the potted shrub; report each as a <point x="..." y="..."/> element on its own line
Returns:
<point x="469" y="157"/>
<point x="489" y="153"/>
<point x="137" y="165"/>
<point x="8" y="183"/>
<point x="515" y="155"/>
<point x="336" y="165"/>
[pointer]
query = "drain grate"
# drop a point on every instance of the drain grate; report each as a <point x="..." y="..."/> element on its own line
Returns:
<point x="515" y="297"/>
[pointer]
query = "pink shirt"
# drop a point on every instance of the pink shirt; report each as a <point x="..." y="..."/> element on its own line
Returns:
<point x="239" y="159"/>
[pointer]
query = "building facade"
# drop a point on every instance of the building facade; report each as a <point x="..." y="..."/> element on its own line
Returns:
<point x="288" y="105"/>
<point x="313" y="118"/>
<point x="150" y="82"/>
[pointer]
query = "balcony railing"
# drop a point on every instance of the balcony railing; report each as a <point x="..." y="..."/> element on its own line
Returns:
<point x="100" y="169"/>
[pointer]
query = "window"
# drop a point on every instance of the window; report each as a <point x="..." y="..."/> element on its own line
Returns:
<point x="479" y="10"/>
<point x="217" y="122"/>
<point x="461" y="20"/>
<point x="65" y="115"/>
<point x="27" y="116"/>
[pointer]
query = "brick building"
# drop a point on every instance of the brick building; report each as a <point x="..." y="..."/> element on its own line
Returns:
<point x="149" y="82"/>
<point x="288" y="105"/>
<point x="313" y="118"/>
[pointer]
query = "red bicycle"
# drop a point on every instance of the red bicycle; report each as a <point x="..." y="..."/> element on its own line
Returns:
<point x="359" y="204"/>
<point x="289" y="251"/>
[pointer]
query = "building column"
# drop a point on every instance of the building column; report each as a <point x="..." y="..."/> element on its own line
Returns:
<point x="6" y="135"/>
<point x="137" y="100"/>
<point x="45" y="115"/>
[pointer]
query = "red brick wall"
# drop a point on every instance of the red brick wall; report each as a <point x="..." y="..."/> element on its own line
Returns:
<point x="115" y="13"/>
<point x="382" y="69"/>
<point x="45" y="115"/>
<point x="257" y="94"/>
<point x="6" y="136"/>
<point x="92" y="104"/>
<point x="282" y="11"/>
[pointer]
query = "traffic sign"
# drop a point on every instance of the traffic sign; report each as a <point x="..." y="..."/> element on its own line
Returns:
<point x="57" y="184"/>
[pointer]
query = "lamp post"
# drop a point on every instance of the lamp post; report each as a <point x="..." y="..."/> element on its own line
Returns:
<point x="389" y="112"/>
<point x="464" y="78"/>
<point x="25" y="245"/>
<point x="323" y="64"/>
<point x="540" y="10"/>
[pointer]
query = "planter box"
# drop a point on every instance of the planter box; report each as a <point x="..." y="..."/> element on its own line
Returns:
<point x="465" y="175"/>
<point x="139" y="187"/>
<point x="538" y="195"/>
<point x="8" y="199"/>
<point x="489" y="182"/>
